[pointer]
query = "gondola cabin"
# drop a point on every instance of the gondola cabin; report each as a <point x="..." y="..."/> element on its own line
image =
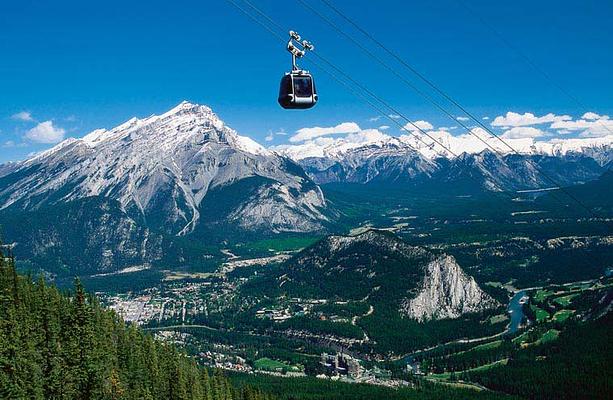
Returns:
<point x="297" y="90"/>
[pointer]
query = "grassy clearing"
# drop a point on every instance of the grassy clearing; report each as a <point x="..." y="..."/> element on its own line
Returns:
<point x="541" y="295"/>
<point x="447" y="375"/>
<point x="283" y="244"/>
<point x="565" y="300"/>
<point x="541" y="315"/>
<point x="266" y="364"/>
<point x="487" y="346"/>
<point x="563" y="315"/>
<point x="498" y="318"/>
<point x="521" y="338"/>
<point x="548" y="336"/>
<point x="177" y="275"/>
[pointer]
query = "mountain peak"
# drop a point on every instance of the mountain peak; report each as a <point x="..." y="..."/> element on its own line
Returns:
<point x="187" y="107"/>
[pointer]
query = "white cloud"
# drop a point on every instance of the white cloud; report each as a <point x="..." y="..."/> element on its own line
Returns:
<point x="311" y="133"/>
<point x="592" y="116"/>
<point x="271" y="135"/>
<point x="374" y="119"/>
<point x="23" y="116"/>
<point x="383" y="127"/>
<point x="485" y="118"/>
<point x="45" y="132"/>
<point x="512" y="119"/>
<point x="462" y="118"/>
<point x="419" y="125"/>
<point x="394" y="116"/>
<point x="366" y="136"/>
<point x="591" y="125"/>
<point x="521" y="132"/>
<point x="11" y="144"/>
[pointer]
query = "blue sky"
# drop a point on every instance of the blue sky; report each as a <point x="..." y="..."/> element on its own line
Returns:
<point x="69" y="67"/>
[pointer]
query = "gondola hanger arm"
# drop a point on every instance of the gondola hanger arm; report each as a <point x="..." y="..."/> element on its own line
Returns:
<point x="298" y="48"/>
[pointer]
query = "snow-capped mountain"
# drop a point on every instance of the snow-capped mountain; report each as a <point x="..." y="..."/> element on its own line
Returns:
<point x="391" y="161"/>
<point x="418" y="159"/>
<point x="163" y="168"/>
<point x="124" y="197"/>
<point x="493" y="172"/>
<point x="441" y="143"/>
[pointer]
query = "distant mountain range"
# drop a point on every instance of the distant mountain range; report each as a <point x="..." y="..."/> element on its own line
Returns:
<point x="406" y="161"/>
<point x="440" y="143"/>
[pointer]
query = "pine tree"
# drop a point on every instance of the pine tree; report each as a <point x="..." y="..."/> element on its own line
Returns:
<point x="206" y="384"/>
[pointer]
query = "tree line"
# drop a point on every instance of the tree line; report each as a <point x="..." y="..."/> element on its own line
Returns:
<point x="64" y="345"/>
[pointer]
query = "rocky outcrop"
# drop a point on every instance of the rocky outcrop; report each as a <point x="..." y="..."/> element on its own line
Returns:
<point x="446" y="292"/>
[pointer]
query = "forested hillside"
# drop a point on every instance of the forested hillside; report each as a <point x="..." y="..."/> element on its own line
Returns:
<point x="66" y="346"/>
<point x="576" y="366"/>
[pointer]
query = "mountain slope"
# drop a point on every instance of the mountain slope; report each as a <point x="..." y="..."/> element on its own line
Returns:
<point x="57" y="345"/>
<point x="421" y="285"/>
<point x="392" y="162"/>
<point x="121" y="197"/>
<point x="596" y="194"/>
<point x="163" y="167"/>
<point x="362" y="285"/>
<point x="490" y="171"/>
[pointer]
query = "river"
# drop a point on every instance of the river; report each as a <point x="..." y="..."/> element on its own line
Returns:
<point x="516" y="312"/>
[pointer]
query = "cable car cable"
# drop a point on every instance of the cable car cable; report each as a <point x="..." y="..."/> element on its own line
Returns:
<point x="260" y="12"/>
<point x="410" y="68"/>
<point x="396" y="73"/>
<point x="448" y="97"/>
<point x="351" y="89"/>
<point x="367" y="90"/>
<point x="440" y="91"/>
<point x="346" y="85"/>
<point x="362" y="87"/>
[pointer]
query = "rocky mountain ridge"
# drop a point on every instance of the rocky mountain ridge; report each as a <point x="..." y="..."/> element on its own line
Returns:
<point x="408" y="159"/>
<point x="126" y="196"/>
<point x="162" y="168"/>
